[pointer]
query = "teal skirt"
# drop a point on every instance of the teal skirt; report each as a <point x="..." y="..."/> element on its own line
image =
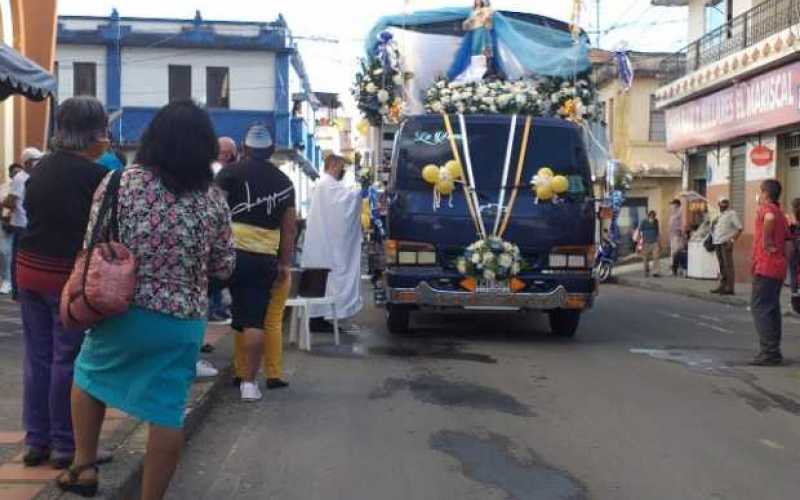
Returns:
<point x="142" y="363"/>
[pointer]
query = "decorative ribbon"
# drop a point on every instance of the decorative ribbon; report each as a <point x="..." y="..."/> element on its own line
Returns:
<point x="470" y="175"/>
<point x="454" y="148"/>
<point x="504" y="181"/>
<point x="520" y="164"/>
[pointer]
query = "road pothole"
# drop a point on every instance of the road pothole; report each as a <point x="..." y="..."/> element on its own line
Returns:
<point x="492" y="461"/>
<point x="436" y="390"/>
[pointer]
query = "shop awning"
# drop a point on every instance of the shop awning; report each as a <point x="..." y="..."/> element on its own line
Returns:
<point x="21" y="76"/>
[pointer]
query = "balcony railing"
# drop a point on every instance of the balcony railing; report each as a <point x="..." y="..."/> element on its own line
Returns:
<point x="745" y="30"/>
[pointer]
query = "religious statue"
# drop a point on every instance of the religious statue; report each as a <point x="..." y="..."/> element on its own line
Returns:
<point x="479" y="28"/>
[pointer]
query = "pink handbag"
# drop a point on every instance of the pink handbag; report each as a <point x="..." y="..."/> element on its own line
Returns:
<point x="103" y="279"/>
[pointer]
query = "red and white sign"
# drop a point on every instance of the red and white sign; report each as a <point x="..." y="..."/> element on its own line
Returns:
<point x="764" y="102"/>
<point x="762" y="156"/>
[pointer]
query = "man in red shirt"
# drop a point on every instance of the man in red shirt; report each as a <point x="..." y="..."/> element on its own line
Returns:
<point x="769" y="271"/>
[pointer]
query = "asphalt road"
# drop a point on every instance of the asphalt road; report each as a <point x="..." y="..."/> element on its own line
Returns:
<point x="651" y="401"/>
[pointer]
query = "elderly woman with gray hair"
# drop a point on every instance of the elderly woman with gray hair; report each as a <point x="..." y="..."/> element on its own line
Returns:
<point x="58" y="199"/>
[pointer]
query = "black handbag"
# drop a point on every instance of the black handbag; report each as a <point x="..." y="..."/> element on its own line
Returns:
<point x="708" y="243"/>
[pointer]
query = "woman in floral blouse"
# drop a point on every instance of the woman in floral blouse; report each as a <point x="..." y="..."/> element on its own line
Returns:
<point x="143" y="362"/>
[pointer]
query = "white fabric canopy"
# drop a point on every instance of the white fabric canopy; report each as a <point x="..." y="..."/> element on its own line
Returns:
<point x="333" y="241"/>
<point x="427" y="58"/>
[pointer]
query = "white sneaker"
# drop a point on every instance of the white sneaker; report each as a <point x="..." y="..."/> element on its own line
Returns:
<point x="5" y="288"/>
<point x="250" y="391"/>
<point x="204" y="369"/>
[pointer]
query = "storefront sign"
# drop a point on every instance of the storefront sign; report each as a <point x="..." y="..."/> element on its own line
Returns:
<point x="762" y="156"/>
<point x="764" y="102"/>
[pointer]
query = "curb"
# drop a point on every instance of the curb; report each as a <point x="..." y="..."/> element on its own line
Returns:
<point x="684" y="292"/>
<point x="120" y="480"/>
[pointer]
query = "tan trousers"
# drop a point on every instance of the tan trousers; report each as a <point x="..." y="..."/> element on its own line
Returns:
<point x="652" y="252"/>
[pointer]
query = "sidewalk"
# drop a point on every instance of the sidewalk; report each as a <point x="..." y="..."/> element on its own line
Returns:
<point x="632" y="275"/>
<point x="121" y="434"/>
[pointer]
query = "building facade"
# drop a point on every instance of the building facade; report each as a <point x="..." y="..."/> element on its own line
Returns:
<point x="28" y="26"/>
<point x="243" y="72"/>
<point x="637" y="139"/>
<point x="732" y="102"/>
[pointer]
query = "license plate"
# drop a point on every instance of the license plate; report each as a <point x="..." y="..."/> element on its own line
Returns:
<point x="486" y="286"/>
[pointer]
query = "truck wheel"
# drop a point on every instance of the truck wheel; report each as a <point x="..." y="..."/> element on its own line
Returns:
<point x="564" y="323"/>
<point x="397" y="319"/>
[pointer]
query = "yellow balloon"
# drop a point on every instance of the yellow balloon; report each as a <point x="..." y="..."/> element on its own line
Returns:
<point x="545" y="172"/>
<point x="431" y="174"/>
<point x="445" y="188"/>
<point x="560" y="184"/>
<point x="454" y="168"/>
<point x="363" y="128"/>
<point x="544" y="193"/>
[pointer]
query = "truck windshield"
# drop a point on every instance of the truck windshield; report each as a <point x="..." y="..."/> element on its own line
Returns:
<point x="425" y="142"/>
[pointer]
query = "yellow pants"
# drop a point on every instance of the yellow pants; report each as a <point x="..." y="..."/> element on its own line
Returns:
<point x="273" y="331"/>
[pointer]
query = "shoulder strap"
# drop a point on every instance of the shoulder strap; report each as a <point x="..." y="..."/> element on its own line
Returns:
<point x="102" y="229"/>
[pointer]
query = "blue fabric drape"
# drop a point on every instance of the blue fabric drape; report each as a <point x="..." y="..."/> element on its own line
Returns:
<point x="540" y="50"/>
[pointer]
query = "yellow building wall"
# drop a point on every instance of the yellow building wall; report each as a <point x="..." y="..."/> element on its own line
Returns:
<point x="629" y="138"/>
<point x="630" y="132"/>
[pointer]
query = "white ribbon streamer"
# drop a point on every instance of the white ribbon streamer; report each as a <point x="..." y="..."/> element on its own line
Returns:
<point x="471" y="178"/>
<point x="504" y="181"/>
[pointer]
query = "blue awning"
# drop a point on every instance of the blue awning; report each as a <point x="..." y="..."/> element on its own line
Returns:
<point x="21" y="76"/>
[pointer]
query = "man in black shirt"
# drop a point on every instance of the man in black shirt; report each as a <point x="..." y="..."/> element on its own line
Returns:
<point x="262" y="203"/>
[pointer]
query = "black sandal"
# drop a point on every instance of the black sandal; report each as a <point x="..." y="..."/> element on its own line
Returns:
<point x="74" y="485"/>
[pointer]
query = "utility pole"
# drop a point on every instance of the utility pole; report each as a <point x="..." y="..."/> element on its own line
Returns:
<point x="597" y="22"/>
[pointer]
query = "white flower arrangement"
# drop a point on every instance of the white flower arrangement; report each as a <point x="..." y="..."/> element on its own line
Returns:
<point x="490" y="259"/>
<point x="379" y="84"/>
<point x="550" y="96"/>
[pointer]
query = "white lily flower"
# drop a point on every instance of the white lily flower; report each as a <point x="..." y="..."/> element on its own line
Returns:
<point x="489" y="275"/>
<point x="371" y="88"/>
<point x="383" y="96"/>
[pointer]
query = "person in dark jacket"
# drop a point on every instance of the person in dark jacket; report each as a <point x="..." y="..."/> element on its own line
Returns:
<point x="57" y="202"/>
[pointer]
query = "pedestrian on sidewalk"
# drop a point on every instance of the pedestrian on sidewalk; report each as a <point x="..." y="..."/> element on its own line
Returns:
<point x="650" y="233"/>
<point x="15" y="202"/>
<point x="262" y="202"/>
<point x="677" y="232"/>
<point x="7" y="234"/>
<point x="58" y="197"/>
<point x="794" y="247"/>
<point x="769" y="271"/>
<point x="218" y="313"/>
<point x="333" y="241"/>
<point x="177" y="226"/>
<point x="726" y="231"/>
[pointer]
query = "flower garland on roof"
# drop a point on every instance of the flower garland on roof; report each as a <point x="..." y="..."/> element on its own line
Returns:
<point x="550" y="96"/>
<point x="378" y="89"/>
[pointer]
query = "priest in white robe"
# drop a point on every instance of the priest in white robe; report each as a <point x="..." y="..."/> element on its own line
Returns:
<point x="333" y="241"/>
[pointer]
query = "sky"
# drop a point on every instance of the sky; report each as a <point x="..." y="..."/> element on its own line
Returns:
<point x="331" y="66"/>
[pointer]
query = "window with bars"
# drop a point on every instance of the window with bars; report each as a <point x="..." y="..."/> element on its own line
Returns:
<point x="658" y="122"/>
<point x="84" y="79"/>
<point x="218" y="87"/>
<point x="180" y="83"/>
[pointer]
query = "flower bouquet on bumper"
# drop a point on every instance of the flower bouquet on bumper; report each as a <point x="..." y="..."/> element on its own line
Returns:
<point x="491" y="263"/>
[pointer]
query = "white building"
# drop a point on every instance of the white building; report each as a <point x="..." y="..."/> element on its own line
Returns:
<point x="244" y="72"/>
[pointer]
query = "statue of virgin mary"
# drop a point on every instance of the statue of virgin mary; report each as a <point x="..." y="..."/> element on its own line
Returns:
<point x="475" y="60"/>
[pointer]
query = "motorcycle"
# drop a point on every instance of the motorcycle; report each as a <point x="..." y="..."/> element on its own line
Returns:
<point x="605" y="259"/>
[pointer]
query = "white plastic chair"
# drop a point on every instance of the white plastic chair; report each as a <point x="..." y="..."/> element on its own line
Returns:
<point x="300" y="324"/>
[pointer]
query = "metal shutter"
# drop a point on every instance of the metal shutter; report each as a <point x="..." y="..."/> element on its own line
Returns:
<point x="738" y="168"/>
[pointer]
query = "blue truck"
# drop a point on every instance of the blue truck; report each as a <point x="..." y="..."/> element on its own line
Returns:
<point x="556" y="240"/>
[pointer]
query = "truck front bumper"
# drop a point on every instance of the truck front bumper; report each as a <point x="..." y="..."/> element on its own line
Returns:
<point x="426" y="296"/>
